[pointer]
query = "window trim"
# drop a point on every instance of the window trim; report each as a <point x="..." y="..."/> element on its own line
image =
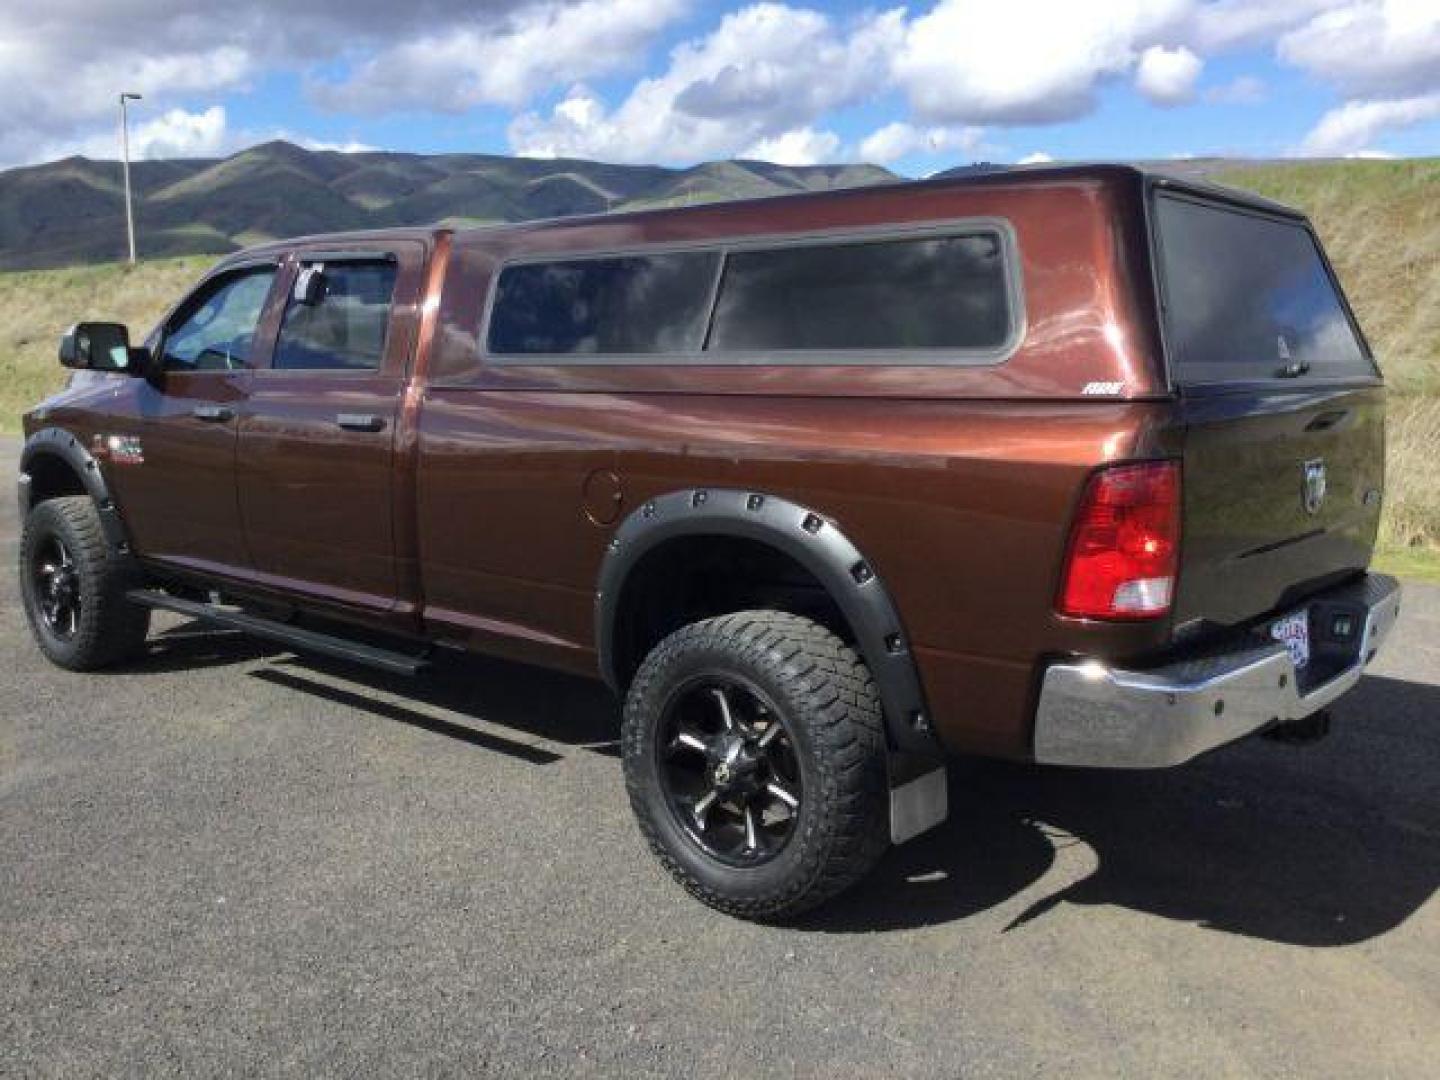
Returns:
<point x="986" y="356"/>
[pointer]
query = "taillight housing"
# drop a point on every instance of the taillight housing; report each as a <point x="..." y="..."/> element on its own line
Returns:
<point x="1124" y="549"/>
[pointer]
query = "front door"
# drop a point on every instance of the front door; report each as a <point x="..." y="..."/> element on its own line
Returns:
<point x="316" y="452"/>
<point x="176" y="483"/>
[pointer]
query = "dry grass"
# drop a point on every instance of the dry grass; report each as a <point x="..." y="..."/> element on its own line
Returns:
<point x="1412" y="478"/>
<point x="36" y="306"/>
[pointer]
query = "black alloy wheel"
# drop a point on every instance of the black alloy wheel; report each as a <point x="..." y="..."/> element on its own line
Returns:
<point x="754" y="751"/>
<point x="56" y="582"/>
<point x="73" y="585"/>
<point x="728" y="769"/>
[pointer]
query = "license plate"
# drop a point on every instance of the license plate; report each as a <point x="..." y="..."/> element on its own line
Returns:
<point x="1294" y="632"/>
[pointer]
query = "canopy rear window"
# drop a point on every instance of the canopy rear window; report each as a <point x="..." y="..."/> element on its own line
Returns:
<point x="1248" y="296"/>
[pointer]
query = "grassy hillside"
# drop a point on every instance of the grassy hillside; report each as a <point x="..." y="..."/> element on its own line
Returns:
<point x="1380" y="222"/>
<point x="71" y="211"/>
<point x="37" y="305"/>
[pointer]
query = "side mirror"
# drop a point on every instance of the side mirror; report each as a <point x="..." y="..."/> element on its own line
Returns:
<point x="99" y="346"/>
<point x="310" y="285"/>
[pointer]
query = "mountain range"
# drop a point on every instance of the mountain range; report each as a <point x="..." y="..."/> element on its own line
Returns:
<point x="72" y="211"/>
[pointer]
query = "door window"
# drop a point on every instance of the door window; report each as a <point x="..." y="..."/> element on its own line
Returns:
<point x="216" y="329"/>
<point x="338" y="318"/>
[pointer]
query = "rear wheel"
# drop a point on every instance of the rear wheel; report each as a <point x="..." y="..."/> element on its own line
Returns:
<point x="755" y="762"/>
<point x="73" y="587"/>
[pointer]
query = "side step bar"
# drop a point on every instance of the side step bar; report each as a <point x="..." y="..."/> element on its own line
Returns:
<point x="294" y="637"/>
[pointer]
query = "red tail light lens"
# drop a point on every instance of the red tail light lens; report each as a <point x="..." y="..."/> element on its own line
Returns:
<point x="1124" y="544"/>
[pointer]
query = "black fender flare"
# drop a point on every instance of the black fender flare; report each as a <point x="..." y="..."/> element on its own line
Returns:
<point x="58" y="443"/>
<point x="814" y="542"/>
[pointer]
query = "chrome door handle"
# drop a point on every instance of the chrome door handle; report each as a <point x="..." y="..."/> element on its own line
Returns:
<point x="214" y="414"/>
<point x="360" y="422"/>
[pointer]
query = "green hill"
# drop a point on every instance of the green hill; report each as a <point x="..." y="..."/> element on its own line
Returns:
<point x="71" y="212"/>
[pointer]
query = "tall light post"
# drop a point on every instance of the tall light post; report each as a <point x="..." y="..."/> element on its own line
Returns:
<point x="125" y="157"/>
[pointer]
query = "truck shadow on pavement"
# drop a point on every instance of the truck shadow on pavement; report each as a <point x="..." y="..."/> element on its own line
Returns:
<point x="1323" y="845"/>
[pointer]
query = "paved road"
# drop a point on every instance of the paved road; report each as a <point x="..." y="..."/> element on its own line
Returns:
<point x="225" y="859"/>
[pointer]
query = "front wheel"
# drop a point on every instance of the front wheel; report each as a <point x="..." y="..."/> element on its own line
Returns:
<point x="73" y="587"/>
<point x="755" y="762"/>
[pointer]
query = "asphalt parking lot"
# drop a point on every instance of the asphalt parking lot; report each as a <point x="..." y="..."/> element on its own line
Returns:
<point x="226" y="859"/>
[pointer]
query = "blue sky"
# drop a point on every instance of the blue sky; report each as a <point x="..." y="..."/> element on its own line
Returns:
<point x="916" y="87"/>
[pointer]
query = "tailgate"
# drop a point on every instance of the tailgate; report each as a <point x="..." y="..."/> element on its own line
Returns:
<point x="1281" y="498"/>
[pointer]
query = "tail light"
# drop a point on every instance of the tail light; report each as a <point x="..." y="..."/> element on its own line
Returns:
<point x="1124" y="544"/>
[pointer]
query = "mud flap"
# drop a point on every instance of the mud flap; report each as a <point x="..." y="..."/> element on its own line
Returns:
<point x="919" y="795"/>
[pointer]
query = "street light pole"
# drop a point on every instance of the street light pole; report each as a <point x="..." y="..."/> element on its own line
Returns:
<point x="125" y="157"/>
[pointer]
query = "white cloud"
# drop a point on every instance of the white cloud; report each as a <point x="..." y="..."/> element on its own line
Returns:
<point x="180" y="134"/>
<point x="176" y="133"/>
<point x="897" y="139"/>
<point x="1353" y="126"/>
<point x="1229" y="24"/>
<point x="340" y="146"/>
<point x="64" y="61"/>
<point x="1371" y="48"/>
<point x="1167" y="76"/>
<point x="801" y="146"/>
<point x="1039" y="157"/>
<point x="455" y="69"/>
<point x="1383" y="54"/>
<point x="763" y="71"/>
<point x="1022" y="61"/>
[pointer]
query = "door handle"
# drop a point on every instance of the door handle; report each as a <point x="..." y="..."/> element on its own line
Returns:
<point x="360" y="422"/>
<point x="214" y="414"/>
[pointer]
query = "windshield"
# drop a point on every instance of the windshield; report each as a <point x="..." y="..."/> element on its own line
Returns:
<point x="1249" y="297"/>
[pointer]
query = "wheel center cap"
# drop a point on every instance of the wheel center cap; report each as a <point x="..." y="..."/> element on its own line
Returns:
<point x="737" y="768"/>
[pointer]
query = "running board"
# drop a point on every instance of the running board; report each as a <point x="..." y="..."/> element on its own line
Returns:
<point x="294" y="637"/>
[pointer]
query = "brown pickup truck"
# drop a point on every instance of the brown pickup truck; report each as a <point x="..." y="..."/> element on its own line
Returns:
<point x="1080" y="465"/>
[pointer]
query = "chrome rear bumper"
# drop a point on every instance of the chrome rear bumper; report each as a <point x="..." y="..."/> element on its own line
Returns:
<point x="1093" y="715"/>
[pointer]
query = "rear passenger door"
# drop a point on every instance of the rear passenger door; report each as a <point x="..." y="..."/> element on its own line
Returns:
<point x="316" y="463"/>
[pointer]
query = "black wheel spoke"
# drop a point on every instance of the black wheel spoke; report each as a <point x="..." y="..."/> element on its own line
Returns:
<point x="686" y="739"/>
<point x="727" y="717"/>
<point x="752" y="831"/>
<point x="784" y="794"/>
<point x="700" y="809"/>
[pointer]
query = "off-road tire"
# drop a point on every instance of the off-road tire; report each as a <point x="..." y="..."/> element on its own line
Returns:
<point x="109" y="627"/>
<point x="832" y="713"/>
